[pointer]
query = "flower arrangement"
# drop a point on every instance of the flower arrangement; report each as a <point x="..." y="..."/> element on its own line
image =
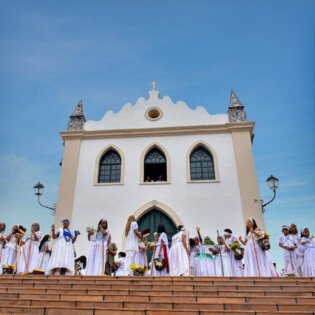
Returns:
<point x="235" y="245"/>
<point x="90" y="229"/>
<point x="266" y="235"/>
<point x="148" y="245"/>
<point x="8" y="269"/>
<point x="138" y="270"/>
<point x="208" y="241"/>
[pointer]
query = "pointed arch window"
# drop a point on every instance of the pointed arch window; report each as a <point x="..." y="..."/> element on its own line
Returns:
<point x="110" y="167"/>
<point x="155" y="166"/>
<point x="201" y="164"/>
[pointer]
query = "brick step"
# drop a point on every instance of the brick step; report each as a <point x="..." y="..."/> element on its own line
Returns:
<point x="169" y="290"/>
<point x="149" y="297"/>
<point x="89" y="292"/>
<point x="19" y="310"/>
<point x="143" y="305"/>
<point x="157" y="281"/>
<point x="205" y="290"/>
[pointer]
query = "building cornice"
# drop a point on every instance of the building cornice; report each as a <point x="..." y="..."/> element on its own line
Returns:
<point x="165" y="131"/>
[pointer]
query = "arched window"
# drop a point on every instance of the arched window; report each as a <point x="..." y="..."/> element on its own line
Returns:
<point x="201" y="164"/>
<point x="110" y="168"/>
<point x="155" y="169"/>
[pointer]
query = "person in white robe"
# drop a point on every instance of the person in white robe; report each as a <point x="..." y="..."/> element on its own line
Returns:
<point x="257" y="261"/>
<point x="141" y="257"/>
<point x="62" y="256"/>
<point x="44" y="253"/>
<point x="308" y="248"/>
<point x="196" y="247"/>
<point x="161" y="251"/>
<point x="237" y="268"/>
<point x="97" y="257"/>
<point x="3" y="241"/>
<point x="288" y="246"/>
<point x="11" y="252"/>
<point x="30" y="251"/>
<point x="297" y="255"/>
<point x="222" y="261"/>
<point x="132" y="248"/>
<point x="179" y="254"/>
<point x="121" y="265"/>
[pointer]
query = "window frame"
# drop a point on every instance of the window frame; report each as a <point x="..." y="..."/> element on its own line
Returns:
<point x="209" y="148"/>
<point x="147" y="149"/>
<point x="98" y="161"/>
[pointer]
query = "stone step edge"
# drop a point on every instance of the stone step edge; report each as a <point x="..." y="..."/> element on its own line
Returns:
<point x="3" y="297"/>
<point x="160" y="311"/>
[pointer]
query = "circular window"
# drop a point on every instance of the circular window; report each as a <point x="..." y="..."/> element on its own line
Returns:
<point x="153" y="113"/>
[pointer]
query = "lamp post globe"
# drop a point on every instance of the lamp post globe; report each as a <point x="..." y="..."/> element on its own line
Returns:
<point x="273" y="182"/>
<point x="39" y="189"/>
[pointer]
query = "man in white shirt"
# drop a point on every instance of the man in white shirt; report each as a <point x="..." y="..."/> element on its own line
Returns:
<point x="132" y="235"/>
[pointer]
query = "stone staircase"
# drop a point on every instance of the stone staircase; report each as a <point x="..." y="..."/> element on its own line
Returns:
<point x="155" y="296"/>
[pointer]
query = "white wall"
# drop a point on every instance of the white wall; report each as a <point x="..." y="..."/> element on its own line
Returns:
<point x="211" y="206"/>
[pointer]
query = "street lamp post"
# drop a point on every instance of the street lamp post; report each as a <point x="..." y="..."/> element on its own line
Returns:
<point x="39" y="190"/>
<point x="273" y="184"/>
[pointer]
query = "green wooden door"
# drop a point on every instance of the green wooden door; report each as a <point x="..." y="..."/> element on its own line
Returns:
<point x="151" y="219"/>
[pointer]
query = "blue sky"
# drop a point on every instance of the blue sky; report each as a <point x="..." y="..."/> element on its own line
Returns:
<point x="53" y="53"/>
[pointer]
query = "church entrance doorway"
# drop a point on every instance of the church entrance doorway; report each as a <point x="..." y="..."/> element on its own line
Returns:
<point x="151" y="219"/>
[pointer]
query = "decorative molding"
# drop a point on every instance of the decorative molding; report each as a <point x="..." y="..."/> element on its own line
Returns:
<point x="167" y="131"/>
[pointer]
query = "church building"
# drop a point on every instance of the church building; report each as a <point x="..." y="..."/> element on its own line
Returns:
<point x="163" y="162"/>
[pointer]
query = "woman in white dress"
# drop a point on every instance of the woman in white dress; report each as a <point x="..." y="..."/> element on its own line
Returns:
<point x="222" y="261"/>
<point x="179" y="254"/>
<point x="44" y="253"/>
<point x="121" y="265"/>
<point x="257" y="261"/>
<point x="141" y="257"/>
<point x="3" y="241"/>
<point x="132" y="235"/>
<point x="97" y="257"/>
<point x="62" y="256"/>
<point x="308" y="248"/>
<point x="297" y="255"/>
<point x="9" y="254"/>
<point x="288" y="246"/>
<point x="196" y="247"/>
<point x="161" y="251"/>
<point x="29" y="250"/>
<point x="237" y="268"/>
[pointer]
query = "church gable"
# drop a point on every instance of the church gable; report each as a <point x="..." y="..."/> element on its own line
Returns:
<point x="155" y="112"/>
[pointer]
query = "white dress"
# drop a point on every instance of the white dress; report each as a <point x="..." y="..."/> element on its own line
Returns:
<point x="297" y="255"/>
<point x="42" y="262"/>
<point x="141" y="255"/>
<point x="164" y="272"/>
<point x="288" y="255"/>
<point x="260" y="267"/>
<point x="29" y="253"/>
<point x="222" y="263"/>
<point x="62" y="255"/>
<point x="178" y="257"/>
<point x="204" y="265"/>
<point x="132" y="247"/>
<point x="121" y="269"/>
<point x="194" y="254"/>
<point x="97" y="257"/>
<point x="308" y="267"/>
<point x="9" y="252"/>
<point x="2" y="246"/>
<point x="236" y="265"/>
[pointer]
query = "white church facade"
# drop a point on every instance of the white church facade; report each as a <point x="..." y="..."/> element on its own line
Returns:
<point x="162" y="162"/>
